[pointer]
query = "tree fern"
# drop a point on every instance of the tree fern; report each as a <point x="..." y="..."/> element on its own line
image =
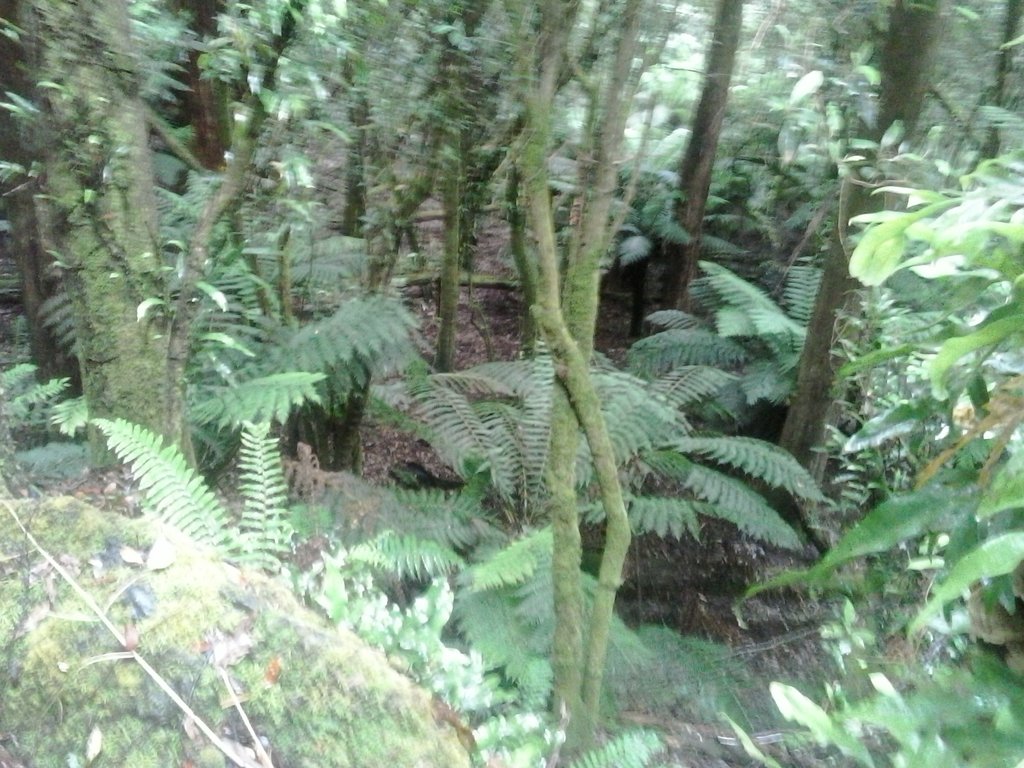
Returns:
<point x="267" y="398"/>
<point x="633" y="749"/>
<point x="755" y="458"/>
<point x="69" y="416"/>
<point x="690" y="385"/>
<point x="264" y="532"/>
<point x="513" y="565"/>
<point x="728" y="498"/>
<point x="800" y="291"/>
<point x="171" y="488"/>
<point x="665" y="516"/>
<point x="26" y="395"/>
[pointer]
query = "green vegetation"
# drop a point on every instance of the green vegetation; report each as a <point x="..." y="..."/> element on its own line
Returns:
<point x="266" y="259"/>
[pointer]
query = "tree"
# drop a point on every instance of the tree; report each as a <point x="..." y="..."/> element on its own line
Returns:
<point x="906" y="55"/>
<point x="697" y="162"/>
<point x="566" y="313"/>
<point x="99" y="207"/>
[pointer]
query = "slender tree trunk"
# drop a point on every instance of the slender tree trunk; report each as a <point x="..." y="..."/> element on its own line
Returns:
<point x="697" y="164"/>
<point x="906" y="60"/>
<point x="20" y="143"/>
<point x="448" y="299"/>
<point x="204" y="103"/>
<point x="1004" y="65"/>
<point x="525" y="266"/>
<point x="566" y="313"/>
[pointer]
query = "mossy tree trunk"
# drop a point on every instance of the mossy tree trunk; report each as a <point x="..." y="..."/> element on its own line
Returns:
<point x="102" y="210"/>
<point x="699" y="159"/>
<point x="566" y="313"/>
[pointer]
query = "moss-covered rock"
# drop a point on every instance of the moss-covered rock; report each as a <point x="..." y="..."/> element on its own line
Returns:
<point x="314" y="695"/>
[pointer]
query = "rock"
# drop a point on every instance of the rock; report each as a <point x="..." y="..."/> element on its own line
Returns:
<point x="314" y="695"/>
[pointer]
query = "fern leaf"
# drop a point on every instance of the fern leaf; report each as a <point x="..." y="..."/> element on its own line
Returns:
<point x="673" y="319"/>
<point x="266" y="399"/>
<point x="169" y="485"/>
<point x="407" y="556"/>
<point x="672" y="348"/>
<point x="70" y="416"/>
<point x="801" y="290"/>
<point x="665" y="516"/>
<point x="691" y="384"/>
<point x="748" y="310"/>
<point x="634" y="749"/>
<point x="514" y="564"/>
<point x="264" y="529"/>
<point x="732" y="500"/>
<point x="756" y="458"/>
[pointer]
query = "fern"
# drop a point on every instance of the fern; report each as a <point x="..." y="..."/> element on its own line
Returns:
<point x="728" y="498"/>
<point x="406" y="556"/>
<point x="633" y="749"/>
<point x="800" y="291"/>
<point x="70" y="416"/>
<point x="513" y="565"/>
<point x="171" y="488"/>
<point x="665" y="516"/>
<point x="756" y="458"/>
<point x="689" y="385"/>
<point x="745" y="309"/>
<point x="26" y="395"/>
<point x="264" y="532"/>
<point x="672" y="348"/>
<point x="268" y="398"/>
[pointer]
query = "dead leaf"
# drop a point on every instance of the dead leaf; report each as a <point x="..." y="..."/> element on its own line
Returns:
<point x="34" y="619"/>
<point x="228" y="650"/>
<point x="132" y="556"/>
<point x="161" y="555"/>
<point x="94" y="746"/>
<point x="273" y="671"/>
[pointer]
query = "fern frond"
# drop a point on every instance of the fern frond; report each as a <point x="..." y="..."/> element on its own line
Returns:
<point x="747" y="310"/>
<point x="264" y="531"/>
<point x="58" y="315"/>
<point x="634" y="749"/>
<point x="169" y="485"/>
<point x="672" y="348"/>
<point x="455" y="520"/>
<point x="71" y="415"/>
<point x="756" y="458"/>
<point x="407" y="556"/>
<point x="689" y="385"/>
<point x="26" y="394"/>
<point x="728" y="498"/>
<point x="800" y="292"/>
<point x="673" y="319"/>
<point x="268" y="398"/>
<point x="665" y="516"/>
<point x="637" y="417"/>
<point x="365" y="335"/>
<point x="513" y="565"/>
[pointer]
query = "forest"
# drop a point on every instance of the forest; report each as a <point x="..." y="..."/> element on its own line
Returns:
<point x="512" y="383"/>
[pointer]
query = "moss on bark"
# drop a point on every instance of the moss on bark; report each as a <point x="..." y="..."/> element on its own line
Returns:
<point x="316" y="695"/>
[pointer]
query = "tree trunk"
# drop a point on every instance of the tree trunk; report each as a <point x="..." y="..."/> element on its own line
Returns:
<point x="566" y="313"/>
<point x="1004" y="65"/>
<point x="448" y="293"/>
<point x="697" y="164"/>
<point x="204" y="103"/>
<point x="102" y="210"/>
<point x="525" y="267"/>
<point x="906" y="60"/>
<point x="19" y="144"/>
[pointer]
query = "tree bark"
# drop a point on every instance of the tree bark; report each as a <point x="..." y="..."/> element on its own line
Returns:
<point x="1004" y="65"/>
<point x="19" y="143"/>
<point x="102" y="211"/>
<point x="698" y="162"/>
<point x="566" y="313"/>
<point x="906" y="60"/>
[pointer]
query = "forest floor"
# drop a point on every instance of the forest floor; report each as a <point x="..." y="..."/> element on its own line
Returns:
<point x="685" y="585"/>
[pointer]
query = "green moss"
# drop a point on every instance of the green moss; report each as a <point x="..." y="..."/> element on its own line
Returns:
<point x="333" y="702"/>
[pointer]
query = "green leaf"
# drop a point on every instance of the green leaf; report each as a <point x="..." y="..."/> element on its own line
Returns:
<point x="1007" y="489"/>
<point x="995" y="557"/>
<point x="881" y="248"/>
<point x="795" y="706"/>
<point x="891" y="522"/>
<point x="806" y="86"/>
<point x="998" y="327"/>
